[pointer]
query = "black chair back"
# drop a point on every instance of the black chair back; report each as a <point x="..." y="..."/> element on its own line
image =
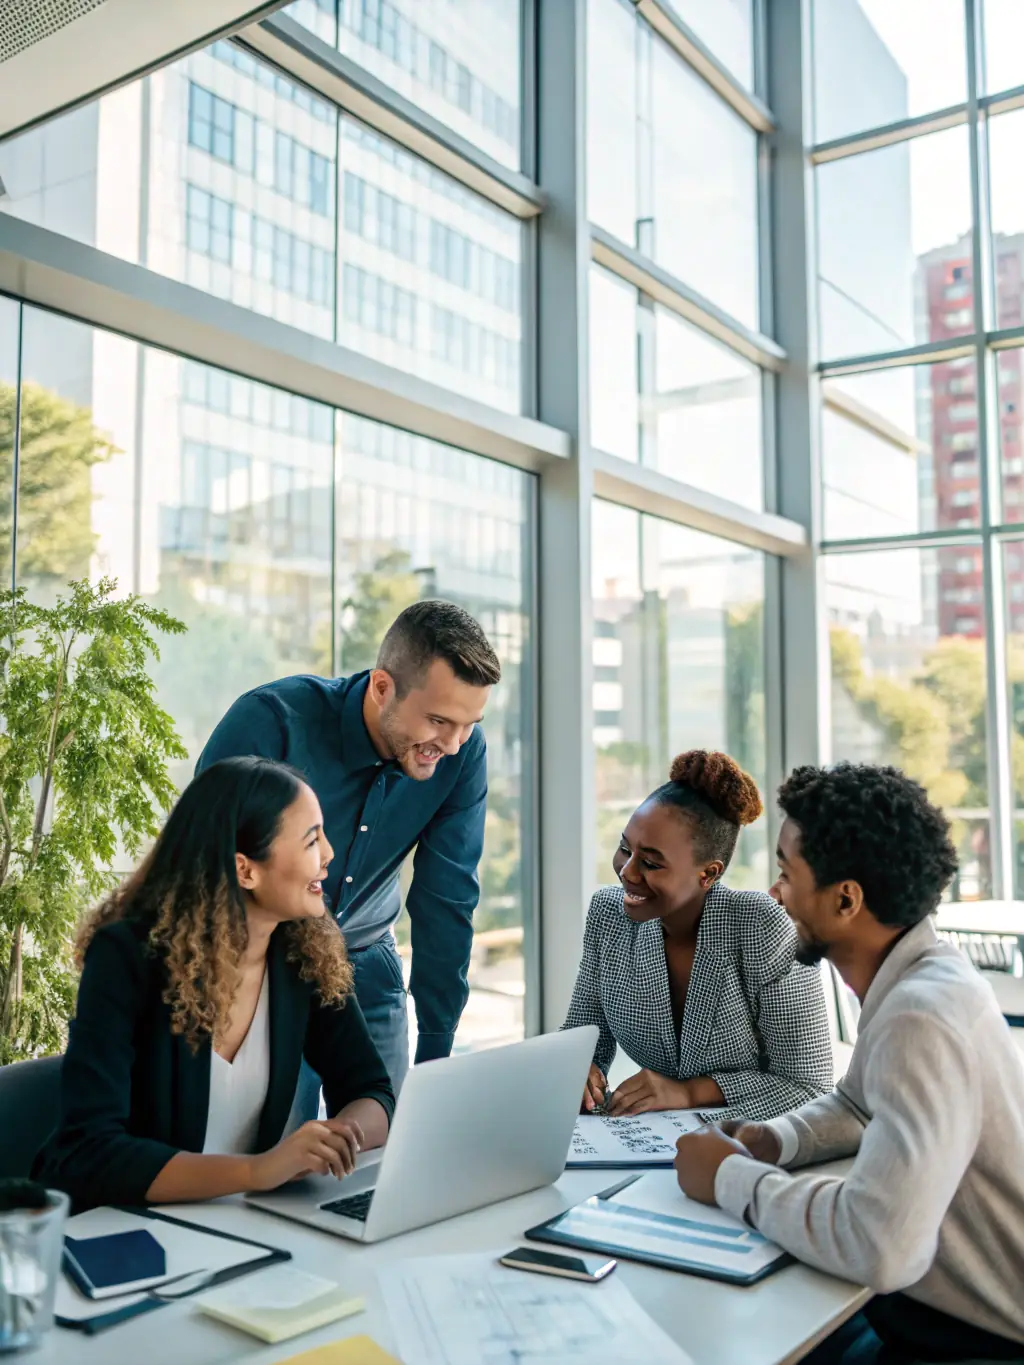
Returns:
<point x="29" y="1110"/>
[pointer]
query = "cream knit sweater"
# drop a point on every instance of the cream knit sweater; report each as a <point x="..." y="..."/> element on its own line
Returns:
<point x="933" y="1107"/>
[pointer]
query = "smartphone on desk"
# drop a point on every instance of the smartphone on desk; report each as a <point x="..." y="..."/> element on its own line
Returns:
<point x="589" y="1268"/>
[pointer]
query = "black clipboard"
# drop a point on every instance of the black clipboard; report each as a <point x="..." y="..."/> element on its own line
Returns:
<point x="607" y="1245"/>
<point x="114" y="1316"/>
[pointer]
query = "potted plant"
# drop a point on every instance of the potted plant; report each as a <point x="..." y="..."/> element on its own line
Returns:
<point x="84" y="752"/>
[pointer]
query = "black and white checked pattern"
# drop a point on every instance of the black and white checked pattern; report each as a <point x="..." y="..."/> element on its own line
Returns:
<point x="754" y="1020"/>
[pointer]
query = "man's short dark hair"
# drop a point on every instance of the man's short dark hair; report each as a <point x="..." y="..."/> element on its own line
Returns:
<point x="437" y="630"/>
<point x="874" y="826"/>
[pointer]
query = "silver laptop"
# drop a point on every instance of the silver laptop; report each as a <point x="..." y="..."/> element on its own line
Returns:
<point x="468" y="1131"/>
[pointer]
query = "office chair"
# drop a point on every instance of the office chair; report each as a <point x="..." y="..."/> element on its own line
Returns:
<point x="30" y="1104"/>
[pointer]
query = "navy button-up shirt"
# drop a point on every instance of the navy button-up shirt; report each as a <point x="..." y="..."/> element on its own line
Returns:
<point x="374" y="816"/>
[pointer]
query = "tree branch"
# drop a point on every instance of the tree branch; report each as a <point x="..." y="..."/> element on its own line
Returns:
<point x="8" y="844"/>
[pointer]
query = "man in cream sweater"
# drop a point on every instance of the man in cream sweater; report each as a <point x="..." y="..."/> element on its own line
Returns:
<point x="931" y="1213"/>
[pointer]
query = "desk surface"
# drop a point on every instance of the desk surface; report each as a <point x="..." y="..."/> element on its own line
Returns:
<point x="772" y="1323"/>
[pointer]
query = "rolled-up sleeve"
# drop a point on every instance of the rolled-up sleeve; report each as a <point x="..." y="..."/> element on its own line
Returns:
<point x="92" y="1156"/>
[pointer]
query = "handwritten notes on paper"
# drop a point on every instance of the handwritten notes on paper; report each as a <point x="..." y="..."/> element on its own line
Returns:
<point x="643" y="1140"/>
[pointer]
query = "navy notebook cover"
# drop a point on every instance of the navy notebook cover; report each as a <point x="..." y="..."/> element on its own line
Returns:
<point x="118" y="1263"/>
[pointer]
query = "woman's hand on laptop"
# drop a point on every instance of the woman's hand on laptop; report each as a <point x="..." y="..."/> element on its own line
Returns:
<point x="328" y="1148"/>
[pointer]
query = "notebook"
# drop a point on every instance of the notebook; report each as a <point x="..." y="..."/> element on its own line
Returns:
<point x="280" y="1303"/>
<point x="117" y="1263"/>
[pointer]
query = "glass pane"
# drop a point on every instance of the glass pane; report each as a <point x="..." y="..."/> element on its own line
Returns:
<point x="319" y="16"/>
<point x="892" y="224"/>
<point x="1008" y="372"/>
<point x="239" y="199"/>
<point x="678" y="664"/>
<point x="416" y="518"/>
<point x="876" y="62"/>
<point x="9" y="324"/>
<point x="900" y="451"/>
<point x="726" y="28"/>
<point x="76" y="469"/>
<point x="1005" y="147"/>
<point x="701" y="415"/>
<point x="1013" y="577"/>
<point x="614" y="377"/>
<point x="908" y="682"/>
<point x="1004" y="44"/>
<point x="430" y="273"/>
<point x="457" y="59"/>
<point x="704" y="196"/>
<point x="613" y="30"/>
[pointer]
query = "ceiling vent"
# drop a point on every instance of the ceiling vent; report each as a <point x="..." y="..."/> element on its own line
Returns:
<point x="23" y="23"/>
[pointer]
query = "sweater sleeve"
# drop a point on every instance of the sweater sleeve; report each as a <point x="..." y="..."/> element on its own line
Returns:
<point x="788" y="1005"/>
<point x="92" y="1156"/>
<point x="878" y="1226"/>
<point x="340" y="1050"/>
<point x="585" y="1006"/>
<point x="823" y="1130"/>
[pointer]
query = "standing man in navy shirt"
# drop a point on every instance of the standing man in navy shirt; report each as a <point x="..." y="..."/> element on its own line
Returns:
<point x="397" y="759"/>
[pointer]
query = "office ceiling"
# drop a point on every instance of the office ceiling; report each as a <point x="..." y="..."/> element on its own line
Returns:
<point x="56" y="54"/>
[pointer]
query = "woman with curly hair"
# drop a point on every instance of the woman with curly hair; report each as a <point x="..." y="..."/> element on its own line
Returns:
<point x="697" y="983"/>
<point x="206" y="978"/>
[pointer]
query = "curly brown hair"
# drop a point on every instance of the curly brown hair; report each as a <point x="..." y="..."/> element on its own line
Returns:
<point x="186" y="894"/>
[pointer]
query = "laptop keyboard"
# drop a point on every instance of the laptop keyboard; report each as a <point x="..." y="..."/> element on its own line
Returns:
<point x="355" y="1206"/>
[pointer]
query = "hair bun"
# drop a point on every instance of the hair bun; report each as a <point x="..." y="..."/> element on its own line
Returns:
<point x="719" y="781"/>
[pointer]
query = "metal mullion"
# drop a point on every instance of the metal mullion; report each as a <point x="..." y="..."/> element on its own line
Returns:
<point x="646" y="275"/>
<point x="999" y="776"/>
<point x="927" y="353"/>
<point x="663" y="19"/>
<point x="889" y="134"/>
<point x="1004" y="102"/>
<point x="284" y="42"/>
<point x="19" y="348"/>
<point x="913" y="540"/>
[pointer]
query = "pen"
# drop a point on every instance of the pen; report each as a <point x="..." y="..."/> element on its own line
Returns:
<point x="616" y="1189"/>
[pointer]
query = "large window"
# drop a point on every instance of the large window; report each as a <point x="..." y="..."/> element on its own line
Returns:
<point x="921" y="430"/>
<point x="460" y="62"/>
<point x="220" y="171"/>
<point x="678" y="664"/>
<point x="687" y="201"/>
<point x="287" y="536"/>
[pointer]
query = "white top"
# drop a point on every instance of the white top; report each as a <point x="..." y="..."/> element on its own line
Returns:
<point x="238" y="1089"/>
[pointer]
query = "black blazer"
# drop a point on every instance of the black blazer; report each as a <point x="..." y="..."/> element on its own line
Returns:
<point x="133" y="1094"/>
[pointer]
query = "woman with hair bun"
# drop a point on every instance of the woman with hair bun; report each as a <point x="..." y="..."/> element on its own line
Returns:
<point x="697" y="983"/>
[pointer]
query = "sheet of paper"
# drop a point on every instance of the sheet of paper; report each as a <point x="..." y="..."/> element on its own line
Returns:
<point x="186" y="1249"/>
<point x="646" y="1140"/>
<point x="655" y="1217"/>
<point x="462" y="1310"/>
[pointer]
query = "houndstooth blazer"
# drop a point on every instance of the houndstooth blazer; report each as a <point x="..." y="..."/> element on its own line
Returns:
<point x="754" y="1020"/>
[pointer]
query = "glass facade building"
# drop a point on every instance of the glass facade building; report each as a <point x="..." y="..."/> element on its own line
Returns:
<point x="678" y="344"/>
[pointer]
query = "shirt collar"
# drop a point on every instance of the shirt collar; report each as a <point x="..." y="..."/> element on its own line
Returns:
<point x="356" y="744"/>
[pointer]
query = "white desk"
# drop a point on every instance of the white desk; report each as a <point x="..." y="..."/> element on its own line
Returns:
<point x="772" y="1323"/>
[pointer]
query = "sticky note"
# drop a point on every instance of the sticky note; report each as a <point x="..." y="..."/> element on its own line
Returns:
<point x="352" y="1351"/>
